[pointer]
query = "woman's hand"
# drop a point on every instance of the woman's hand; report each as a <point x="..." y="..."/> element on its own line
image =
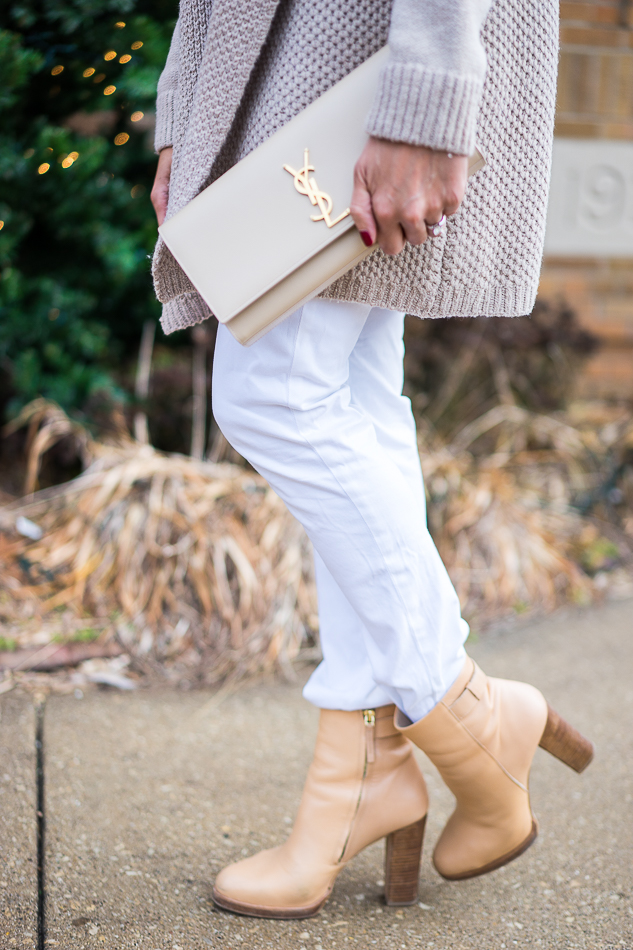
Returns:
<point x="400" y="188"/>
<point x="160" y="188"/>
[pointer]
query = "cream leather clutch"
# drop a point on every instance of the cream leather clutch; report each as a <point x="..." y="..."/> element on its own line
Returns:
<point x="275" y="230"/>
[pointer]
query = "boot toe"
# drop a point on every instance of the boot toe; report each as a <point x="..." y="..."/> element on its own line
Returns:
<point x="262" y="886"/>
<point x="248" y="881"/>
<point x="466" y="850"/>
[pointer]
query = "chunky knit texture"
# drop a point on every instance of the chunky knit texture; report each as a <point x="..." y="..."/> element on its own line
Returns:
<point x="237" y="72"/>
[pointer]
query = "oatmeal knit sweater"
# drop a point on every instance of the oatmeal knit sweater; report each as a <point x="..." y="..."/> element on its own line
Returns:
<point x="460" y="72"/>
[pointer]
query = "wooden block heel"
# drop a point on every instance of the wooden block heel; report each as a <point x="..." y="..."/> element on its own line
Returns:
<point x="565" y="742"/>
<point x="402" y="864"/>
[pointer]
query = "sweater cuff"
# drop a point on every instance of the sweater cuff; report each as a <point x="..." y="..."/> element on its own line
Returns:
<point x="164" y="133"/>
<point x="183" y="311"/>
<point x="424" y="107"/>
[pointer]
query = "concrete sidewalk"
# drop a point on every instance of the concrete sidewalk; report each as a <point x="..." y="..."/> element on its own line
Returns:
<point x="148" y="795"/>
<point x="18" y="844"/>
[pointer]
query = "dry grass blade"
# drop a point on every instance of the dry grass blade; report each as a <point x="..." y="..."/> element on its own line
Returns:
<point x="47" y="425"/>
<point x="200" y="572"/>
<point x="503" y="508"/>
<point x="154" y="539"/>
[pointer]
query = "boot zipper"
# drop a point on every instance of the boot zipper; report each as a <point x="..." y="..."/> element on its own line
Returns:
<point x="369" y="718"/>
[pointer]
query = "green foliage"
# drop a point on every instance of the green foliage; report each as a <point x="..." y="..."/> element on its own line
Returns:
<point x="78" y="227"/>
<point x="87" y="635"/>
<point x="16" y="66"/>
<point x="600" y="554"/>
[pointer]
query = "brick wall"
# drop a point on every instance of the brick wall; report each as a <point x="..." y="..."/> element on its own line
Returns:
<point x="595" y="100"/>
<point x="595" y="89"/>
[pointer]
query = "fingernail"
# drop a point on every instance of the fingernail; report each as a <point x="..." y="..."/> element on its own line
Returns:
<point x="366" y="238"/>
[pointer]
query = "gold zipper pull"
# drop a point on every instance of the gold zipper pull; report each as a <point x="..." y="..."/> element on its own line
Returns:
<point x="369" y="718"/>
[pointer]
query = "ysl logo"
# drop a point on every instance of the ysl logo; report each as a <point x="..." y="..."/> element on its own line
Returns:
<point x="307" y="186"/>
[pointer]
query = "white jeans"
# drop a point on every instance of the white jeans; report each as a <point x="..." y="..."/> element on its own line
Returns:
<point x="316" y="407"/>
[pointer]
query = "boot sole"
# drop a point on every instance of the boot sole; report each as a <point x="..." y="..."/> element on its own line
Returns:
<point x="272" y="913"/>
<point x="402" y="870"/>
<point x="498" y="862"/>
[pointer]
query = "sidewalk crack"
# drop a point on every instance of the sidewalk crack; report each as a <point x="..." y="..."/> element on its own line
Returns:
<point x="40" y="815"/>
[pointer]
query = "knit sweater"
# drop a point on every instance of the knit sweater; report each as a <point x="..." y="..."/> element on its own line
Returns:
<point x="459" y="71"/>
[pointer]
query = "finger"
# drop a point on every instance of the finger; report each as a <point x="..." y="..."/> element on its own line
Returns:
<point x="434" y="208"/>
<point x="455" y="184"/>
<point x="390" y="236"/>
<point x="156" y="204"/>
<point x="159" y="197"/>
<point x="451" y="204"/>
<point x="413" y="224"/>
<point x="415" y="235"/>
<point x="361" y="210"/>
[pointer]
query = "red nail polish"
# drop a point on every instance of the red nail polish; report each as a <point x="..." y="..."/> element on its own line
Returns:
<point x="366" y="238"/>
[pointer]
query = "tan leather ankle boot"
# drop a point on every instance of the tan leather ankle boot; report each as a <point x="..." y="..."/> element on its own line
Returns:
<point x="363" y="784"/>
<point x="482" y="738"/>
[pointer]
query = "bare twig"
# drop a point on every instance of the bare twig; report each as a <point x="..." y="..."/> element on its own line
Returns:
<point x="500" y="374"/>
<point x="455" y="378"/>
<point x="141" y="389"/>
<point x="199" y="385"/>
<point x="54" y="655"/>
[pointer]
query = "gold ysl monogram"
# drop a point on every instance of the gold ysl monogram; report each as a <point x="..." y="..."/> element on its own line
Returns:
<point x="308" y="186"/>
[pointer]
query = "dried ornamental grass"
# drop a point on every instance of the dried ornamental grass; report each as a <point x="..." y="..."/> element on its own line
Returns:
<point x="47" y="425"/>
<point x="505" y="523"/>
<point x="201" y="574"/>
<point x="199" y="567"/>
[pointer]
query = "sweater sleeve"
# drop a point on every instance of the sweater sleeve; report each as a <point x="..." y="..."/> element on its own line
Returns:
<point x="166" y="94"/>
<point x="430" y="89"/>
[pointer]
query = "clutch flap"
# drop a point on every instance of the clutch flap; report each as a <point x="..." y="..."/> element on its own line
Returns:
<point x="283" y="203"/>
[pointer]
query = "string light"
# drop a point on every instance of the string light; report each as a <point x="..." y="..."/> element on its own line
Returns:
<point x="88" y="72"/>
<point x="30" y="152"/>
<point x="109" y="90"/>
<point x="56" y="70"/>
<point x="119" y="25"/>
<point x="2" y="222"/>
<point x="125" y="59"/>
<point x="99" y="77"/>
<point x="43" y="168"/>
<point x="121" y="138"/>
<point x="137" y="191"/>
<point x="70" y="159"/>
<point x="111" y="54"/>
<point x="136" y="45"/>
<point x="136" y="116"/>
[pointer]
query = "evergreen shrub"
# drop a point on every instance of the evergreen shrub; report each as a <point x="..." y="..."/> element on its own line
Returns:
<point x="77" y="89"/>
